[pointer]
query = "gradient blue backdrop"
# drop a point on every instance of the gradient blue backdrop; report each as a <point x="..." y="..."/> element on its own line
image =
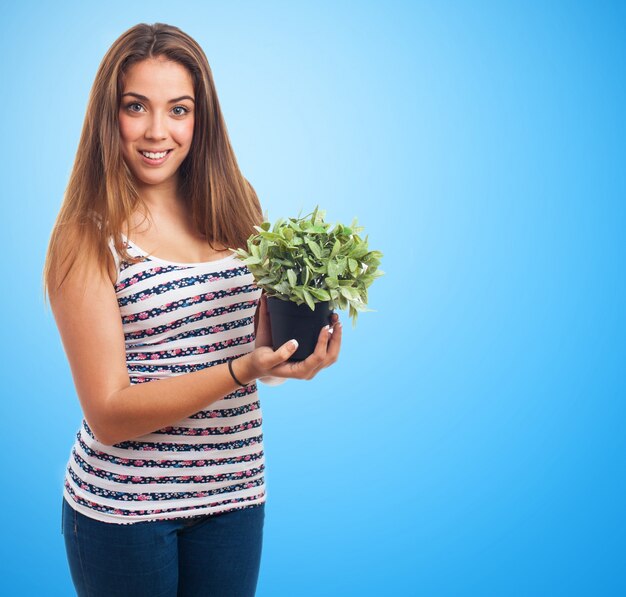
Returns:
<point x="470" y="440"/>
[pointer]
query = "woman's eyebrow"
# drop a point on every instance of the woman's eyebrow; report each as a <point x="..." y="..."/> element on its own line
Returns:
<point x="145" y="99"/>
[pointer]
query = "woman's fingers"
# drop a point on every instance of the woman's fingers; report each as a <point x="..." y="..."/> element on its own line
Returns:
<point x="332" y="352"/>
<point x="334" y="344"/>
<point x="304" y="369"/>
<point x="319" y="353"/>
<point x="283" y="352"/>
<point x="325" y="353"/>
<point x="265" y="359"/>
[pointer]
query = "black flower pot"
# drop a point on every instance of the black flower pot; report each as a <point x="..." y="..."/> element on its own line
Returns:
<point x="289" y="320"/>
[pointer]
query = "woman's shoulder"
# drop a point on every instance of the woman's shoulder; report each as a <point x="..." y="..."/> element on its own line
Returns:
<point x="78" y="253"/>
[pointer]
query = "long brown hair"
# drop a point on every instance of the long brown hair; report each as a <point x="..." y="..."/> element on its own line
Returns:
<point x="100" y="196"/>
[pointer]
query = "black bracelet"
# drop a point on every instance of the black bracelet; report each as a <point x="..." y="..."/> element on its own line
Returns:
<point x="230" y="368"/>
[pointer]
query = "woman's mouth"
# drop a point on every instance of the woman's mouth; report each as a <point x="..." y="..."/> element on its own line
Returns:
<point x="155" y="158"/>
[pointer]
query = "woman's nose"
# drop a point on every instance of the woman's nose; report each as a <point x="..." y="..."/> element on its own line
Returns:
<point x="156" y="127"/>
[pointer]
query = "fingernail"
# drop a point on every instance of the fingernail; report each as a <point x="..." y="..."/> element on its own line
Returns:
<point x="294" y="342"/>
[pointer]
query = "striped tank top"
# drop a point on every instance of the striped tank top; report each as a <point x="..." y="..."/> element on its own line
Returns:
<point x="177" y="318"/>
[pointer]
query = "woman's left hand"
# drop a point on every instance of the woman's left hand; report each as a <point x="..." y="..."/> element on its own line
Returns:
<point x="263" y="331"/>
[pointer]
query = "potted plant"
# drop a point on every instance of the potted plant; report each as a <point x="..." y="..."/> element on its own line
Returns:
<point x="307" y="270"/>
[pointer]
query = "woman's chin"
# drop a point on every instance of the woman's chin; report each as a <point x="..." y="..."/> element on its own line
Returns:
<point x="144" y="179"/>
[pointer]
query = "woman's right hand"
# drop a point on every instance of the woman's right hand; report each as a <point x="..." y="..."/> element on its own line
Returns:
<point x="264" y="361"/>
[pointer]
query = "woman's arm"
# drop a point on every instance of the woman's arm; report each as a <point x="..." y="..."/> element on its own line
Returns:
<point x="89" y="323"/>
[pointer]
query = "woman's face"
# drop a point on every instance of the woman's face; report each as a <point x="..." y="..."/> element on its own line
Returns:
<point x="156" y="120"/>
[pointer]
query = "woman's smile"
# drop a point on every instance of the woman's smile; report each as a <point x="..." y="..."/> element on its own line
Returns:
<point x="155" y="158"/>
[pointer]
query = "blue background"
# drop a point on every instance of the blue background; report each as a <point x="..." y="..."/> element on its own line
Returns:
<point x="470" y="439"/>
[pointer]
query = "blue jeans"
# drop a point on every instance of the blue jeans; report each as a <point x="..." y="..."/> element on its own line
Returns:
<point x="210" y="555"/>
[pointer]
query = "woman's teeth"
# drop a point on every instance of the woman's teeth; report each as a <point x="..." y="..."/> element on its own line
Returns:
<point x="155" y="156"/>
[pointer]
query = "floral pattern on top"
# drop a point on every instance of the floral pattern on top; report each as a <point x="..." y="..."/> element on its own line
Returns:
<point x="178" y="319"/>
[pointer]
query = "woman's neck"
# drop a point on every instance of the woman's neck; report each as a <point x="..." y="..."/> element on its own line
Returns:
<point x="163" y="197"/>
<point x="163" y="206"/>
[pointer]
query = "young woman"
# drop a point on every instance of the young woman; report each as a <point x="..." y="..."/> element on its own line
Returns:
<point x="165" y="333"/>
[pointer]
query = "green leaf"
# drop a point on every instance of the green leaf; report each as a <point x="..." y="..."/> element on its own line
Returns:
<point x="241" y="253"/>
<point x="263" y="248"/>
<point x="314" y="214"/>
<point x="266" y="280"/>
<point x="342" y="262"/>
<point x="347" y="247"/>
<point x="285" y="262"/>
<point x="349" y="293"/>
<point x="293" y="279"/>
<point x="309" y="299"/>
<point x="320" y="294"/>
<point x="315" y="248"/>
<point x="283" y="287"/>
<point x="333" y="269"/>
<point x="273" y="236"/>
<point x="359" y="251"/>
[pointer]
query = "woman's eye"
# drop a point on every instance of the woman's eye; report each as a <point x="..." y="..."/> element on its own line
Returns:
<point x="134" y="107"/>
<point x="182" y="111"/>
